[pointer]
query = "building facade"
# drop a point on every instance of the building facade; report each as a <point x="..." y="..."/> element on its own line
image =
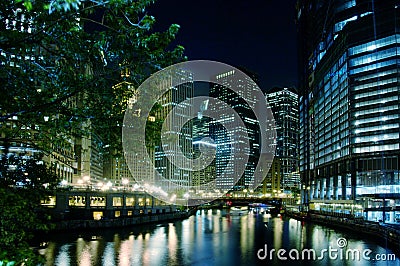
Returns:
<point x="284" y="105"/>
<point x="249" y="132"/>
<point x="272" y="183"/>
<point x="349" y="103"/>
<point x="174" y="99"/>
<point x="202" y="141"/>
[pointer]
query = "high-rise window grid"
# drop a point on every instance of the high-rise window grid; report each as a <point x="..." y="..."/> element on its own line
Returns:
<point x="284" y="105"/>
<point x="331" y="113"/>
<point x="375" y="125"/>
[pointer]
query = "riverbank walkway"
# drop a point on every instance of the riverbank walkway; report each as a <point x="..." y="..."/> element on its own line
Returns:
<point x="384" y="232"/>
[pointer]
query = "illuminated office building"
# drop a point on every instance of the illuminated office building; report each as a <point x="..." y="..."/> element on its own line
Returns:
<point x="173" y="99"/>
<point x="349" y="55"/>
<point x="201" y="135"/>
<point x="284" y="105"/>
<point x="223" y="141"/>
<point x="271" y="185"/>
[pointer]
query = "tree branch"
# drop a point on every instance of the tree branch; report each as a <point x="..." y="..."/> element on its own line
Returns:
<point x="36" y="108"/>
<point x="99" y="23"/>
<point x="136" y="24"/>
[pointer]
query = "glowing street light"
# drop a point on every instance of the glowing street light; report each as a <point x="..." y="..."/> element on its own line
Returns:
<point x="173" y="198"/>
<point x="86" y="179"/>
<point x="125" y="182"/>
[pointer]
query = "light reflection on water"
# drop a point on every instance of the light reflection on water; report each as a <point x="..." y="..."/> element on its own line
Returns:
<point x="208" y="238"/>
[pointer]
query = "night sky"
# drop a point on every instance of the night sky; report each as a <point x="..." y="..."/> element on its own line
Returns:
<point x="259" y="35"/>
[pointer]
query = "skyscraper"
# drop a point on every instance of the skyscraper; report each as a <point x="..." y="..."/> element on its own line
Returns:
<point x="349" y="101"/>
<point x="174" y="99"/>
<point x="201" y="133"/>
<point x="223" y="141"/>
<point x="284" y="106"/>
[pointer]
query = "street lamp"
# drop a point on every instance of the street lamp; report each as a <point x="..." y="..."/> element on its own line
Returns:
<point x="86" y="179"/>
<point x="125" y="182"/>
<point x="107" y="185"/>
<point x="173" y="198"/>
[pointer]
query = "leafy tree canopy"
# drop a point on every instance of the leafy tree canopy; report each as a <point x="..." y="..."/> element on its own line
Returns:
<point x="67" y="65"/>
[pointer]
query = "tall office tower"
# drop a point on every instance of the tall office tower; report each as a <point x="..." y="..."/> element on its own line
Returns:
<point x="349" y="98"/>
<point x="249" y="132"/>
<point x="284" y="106"/>
<point x="201" y="141"/>
<point x="175" y="99"/>
<point x="116" y="169"/>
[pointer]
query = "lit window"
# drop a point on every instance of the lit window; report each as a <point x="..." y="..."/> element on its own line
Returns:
<point x="371" y="47"/>
<point x="97" y="215"/>
<point x="117" y="201"/>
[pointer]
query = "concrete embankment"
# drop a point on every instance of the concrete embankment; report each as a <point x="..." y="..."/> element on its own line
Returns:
<point x="384" y="233"/>
<point x="120" y="222"/>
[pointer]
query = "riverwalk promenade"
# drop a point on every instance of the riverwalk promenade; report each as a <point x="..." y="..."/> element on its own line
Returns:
<point x="383" y="232"/>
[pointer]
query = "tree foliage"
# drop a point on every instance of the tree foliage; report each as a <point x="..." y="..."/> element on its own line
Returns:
<point x="21" y="190"/>
<point x="17" y="223"/>
<point x="67" y="68"/>
<point x="62" y="63"/>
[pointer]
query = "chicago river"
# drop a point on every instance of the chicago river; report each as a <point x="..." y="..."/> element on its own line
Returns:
<point x="214" y="237"/>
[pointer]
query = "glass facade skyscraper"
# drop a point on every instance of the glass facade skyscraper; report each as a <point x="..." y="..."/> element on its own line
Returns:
<point x="284" y="106"/>
<point x="349" y="54"/>
<point x="172" y="100"/>
<point x="201" y="141"/>
<point x="224" y="142"/>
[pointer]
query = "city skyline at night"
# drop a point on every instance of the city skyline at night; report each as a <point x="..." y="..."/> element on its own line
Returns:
<point x="215" y="132"/>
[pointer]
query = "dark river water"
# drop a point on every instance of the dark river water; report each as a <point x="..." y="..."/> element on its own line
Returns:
<point x="215" y="238"/>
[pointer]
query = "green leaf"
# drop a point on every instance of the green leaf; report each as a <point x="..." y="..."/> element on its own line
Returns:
<point x="28" y="5"/>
